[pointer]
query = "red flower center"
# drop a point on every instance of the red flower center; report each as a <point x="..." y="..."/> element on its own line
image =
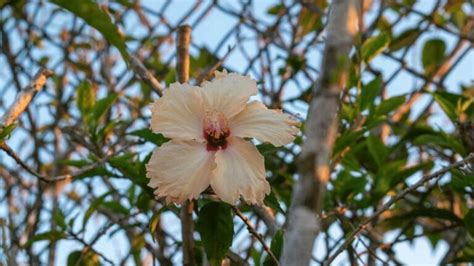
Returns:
<point x="216" y="131"/>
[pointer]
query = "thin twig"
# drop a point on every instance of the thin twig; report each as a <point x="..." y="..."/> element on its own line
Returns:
<point x="394" y="199"/>
<point x="14" y="156"/>
<point x="7" y="149"/>
<point x="141" y="71"/>
<point x="252" y="231"/>
<point x="268" y="217"/>
<point x="25" y="96"/>
<point x="206" y="75"/>
<point x="89" y="246"/>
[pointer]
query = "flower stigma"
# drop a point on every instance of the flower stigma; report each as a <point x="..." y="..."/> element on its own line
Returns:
<point x="216" y="130"/>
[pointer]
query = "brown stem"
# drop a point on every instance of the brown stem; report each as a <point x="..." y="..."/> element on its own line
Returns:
<point x="252" y="231"/>
<point x="182" y="70"/>
<point x="25" y="96"/>
<point x="145" y="75"/>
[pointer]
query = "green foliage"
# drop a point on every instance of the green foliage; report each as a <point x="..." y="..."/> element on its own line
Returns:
<point x="469" y="221"/>
<point x="85" y="98"/>
<point x="148" y="135"/>
<point x="93" y="110"/>
<point x="377" y="149"/>
<point x="51" y="236"/>
<point x="369" y="92"/>
<point x="276" y="247"/>
<point x="102" y="106"/>
<point x="435" y="213"/>
<point x="405" y="39"/>
<point x="198" y="64"/>
<point x="433" y="54"/>
<point x="91" y="13"/>
<point x="466" y="255"/>
<point x="6" y="131"/>
<point x="216" y="228"/>
<point x="373" y="46"/>
<point x="276" y="9"/>
<point x="389" y="105"/>
<point x="85" y="257"/>
<point x="454" y="105"/>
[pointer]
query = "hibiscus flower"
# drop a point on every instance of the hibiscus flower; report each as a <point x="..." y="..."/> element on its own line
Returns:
<point x="208" y="127"/>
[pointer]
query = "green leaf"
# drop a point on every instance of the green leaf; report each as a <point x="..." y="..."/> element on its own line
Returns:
<point x="370" y="92"/>
<point x="377" y="149"/>
<point x="154" y="223"/>
<point x="404" y="39"/>
<point x="127" y="165"/>
<point x="433" y="54"/>
<point x="116" y="207"/>
<point x="346" y="186"/>
<point x="49" y="235"/>
<point x="83" y="258"/>
<point x="346" y="140"/>
<point x="469" y="221"/>
<point x="309" y="21"/>
<point x="272" y="201"/>
<point x="148" y="135"/>
<point x="216" y="228"/>
<point x="448" y="102"/>
<point x="373" y="46"/>
<point x="93" y="15"/>
<point x="5" y="132"/>
<point x="85" y="98"/>
<point x="389" y="105"/>
<point x="276" y="9"/>
<point x="435" y="213"/>
<point x="103" y="105"/>
<point x="59" y="219"/>
<point x="276" y="247"/>
<point x="92" y="208"/>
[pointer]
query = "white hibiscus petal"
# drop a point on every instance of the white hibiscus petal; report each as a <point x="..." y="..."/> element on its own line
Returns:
<point x="240" y="171"/>
<point x="179" y="113"/>
<point x="228" y="93"/>
<point x="180" y="170"/>
<point x="256" y="121"/>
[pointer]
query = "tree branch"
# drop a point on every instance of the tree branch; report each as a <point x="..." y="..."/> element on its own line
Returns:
<point x="145" y="75"/>
<point x="25" y="96"/>
<point x="321" y="130"/>
<point x="252" y="231"/>
<point x="183" y="39"/>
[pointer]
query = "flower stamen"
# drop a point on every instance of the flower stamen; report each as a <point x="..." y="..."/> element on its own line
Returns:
<point x="216" y="130"/>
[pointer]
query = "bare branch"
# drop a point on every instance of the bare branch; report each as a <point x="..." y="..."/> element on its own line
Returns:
<point x="255" y="233"/>
<point x="145" y="75"/>
<point x="25" y="96"/>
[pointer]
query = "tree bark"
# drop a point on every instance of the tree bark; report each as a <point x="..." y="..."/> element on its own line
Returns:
<point x="183" y="40"/>
<point x="321" y="130"/>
